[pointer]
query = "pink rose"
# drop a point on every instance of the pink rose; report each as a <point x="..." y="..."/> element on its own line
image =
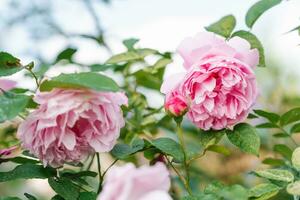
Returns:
<point x="219" y="83"/>
<point x="131" y="183"/>
<point x="6" y="84"/>
<point x="175" y="104"/>
<point x="70" y="124"/>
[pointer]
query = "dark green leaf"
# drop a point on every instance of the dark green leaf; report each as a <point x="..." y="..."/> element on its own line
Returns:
<point x="283" y="150"/>
<point x="11" y="105"/>
<point x="64" y="187"/>
<point x="281" y="135"/>
<point x="19" y="160"/>
<point x="245" y="137"/>
<point x="57" y="197"/>
<point x="273" y="161"/>
<point x="27" y="171"/>
<point x="252" y="116"/>
<point x="88" y="80"/>
<point x="210" y="137"/>
<point x="79" y="174"/>
<point x="29" y="196"/>
<point x="129" y="43"/>
<point x="295" y="128"/>
<point x="258" y="9"/>
<point x="255" y="44"/>
<point x="223" y="27"/>
<point x="169" y="147"/>
<point x="219" y="149"/>
<point x="290" y="116"/>
<point x="87" y="196"/>
<point x="66" y="54"/>
<point x="9" y="64"/>
<point x="266" y="125"/>
<point x="122" y="151"/>
<point x="272" y="117"/>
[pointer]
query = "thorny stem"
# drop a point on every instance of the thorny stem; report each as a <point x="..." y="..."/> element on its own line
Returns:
<point x="112" y="164"/>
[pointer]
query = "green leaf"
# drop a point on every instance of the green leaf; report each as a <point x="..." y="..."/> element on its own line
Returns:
<point x="11" y="105"/>
<point x="10" y="198"/>
<point x="281" y="135"/>
<point x="27" y="171"/>
<point x="9" y="64"/>
<point x="87" y="196"/>
<point x="71" y="175"/>
<point x="255" y="44"/>
<point x="273" y="161"/>
<point x="264" y="190"/>
<point x="234" y="192"/>
<point x="272" y="117"/>
<point x="161" y="63"/>
<point x="66" y="54"/>
<point x="64" y="187"/>
<point x="57" y="197"/>
<point x="266" y="125"/>
<point x="290" y="116"/>
<point x="252" y="116"/>
<point x="19" y="160"/>
<point x="214" y="188"/>
<point x="223" y="27"/>
<point x="129" y="43"/>
<point x="29" y="196"/>
<point x="258" y="9"/>
<point x="149" y="80"/>
<point x="294" y="188"/>
<point x="219" y="149"/>
<point x="276" y="174"/>
<point x="295" y="128"/>
<point x="200" y="196"/>
<point x="210" y="137"/>
<point x="122" y="151"/>
<point x="169" y="147"/>
<point x="245" y="137"/>
<point x="296" y="158"/>
<point x="130" y="56"/>
<point x="89" y="80"/>
<point x="283" y="150"/>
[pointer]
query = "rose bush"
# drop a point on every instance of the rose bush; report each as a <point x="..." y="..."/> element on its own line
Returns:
<point x="94" y="139"/>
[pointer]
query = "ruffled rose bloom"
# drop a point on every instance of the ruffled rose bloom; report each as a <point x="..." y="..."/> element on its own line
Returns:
<point x="7" y="84"/>
<point x="131" y="183"/>
<point x="70" y="124"/>
<point x="219" y="83"/>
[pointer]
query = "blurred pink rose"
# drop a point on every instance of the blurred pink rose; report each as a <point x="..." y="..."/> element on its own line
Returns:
<point x="131" y="183"/>
<point x="70" y="124"/>
<point x="219" y="84"/>
<point x="6" y="84"/>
